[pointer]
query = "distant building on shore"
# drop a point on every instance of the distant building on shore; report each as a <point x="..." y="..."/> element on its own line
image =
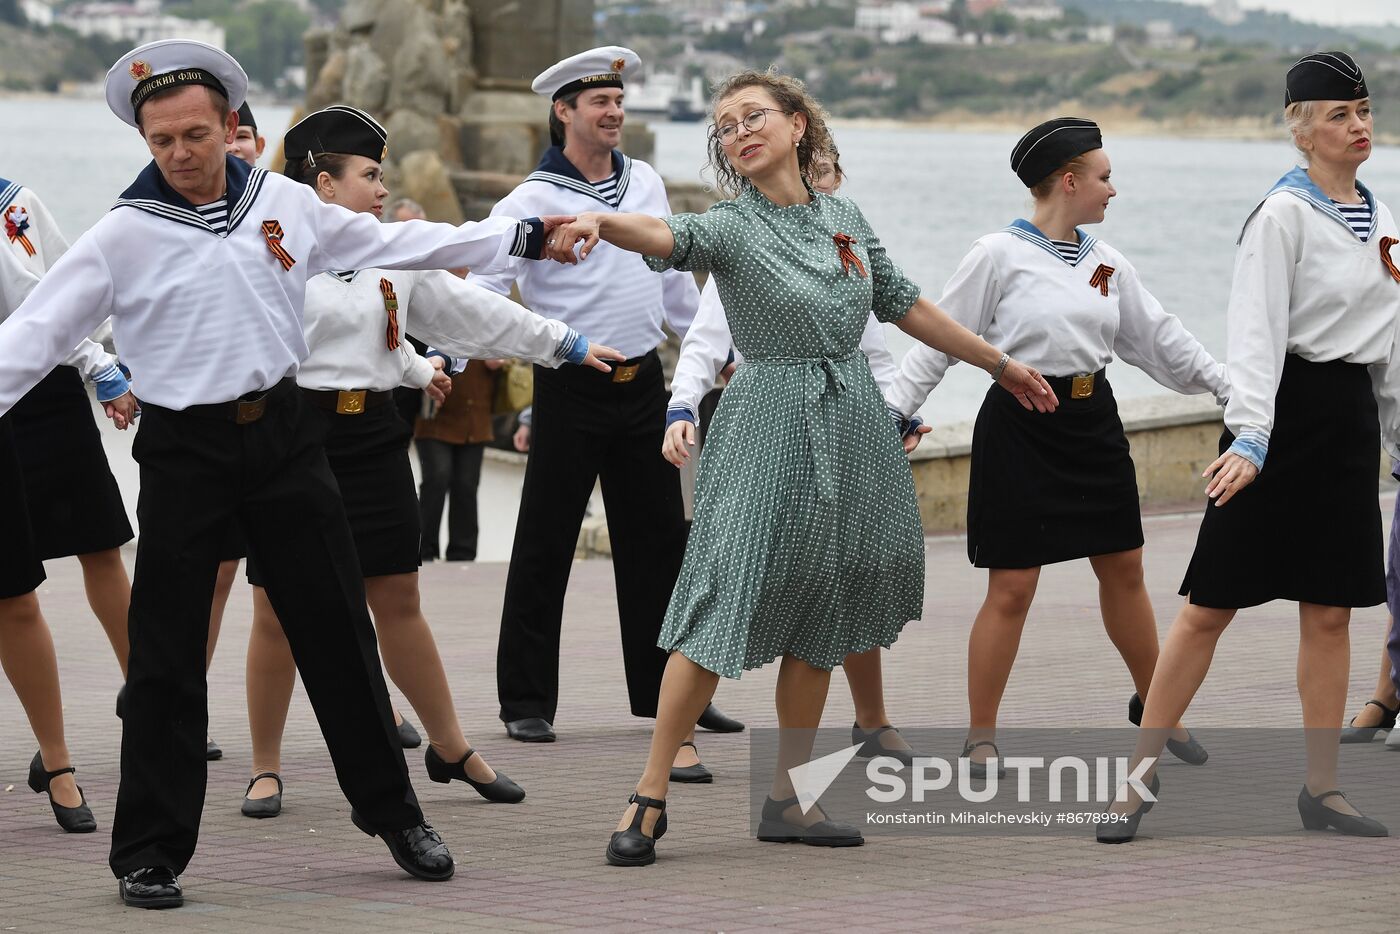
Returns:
<point x="900" y="22"/>
<point x="138" y="22"/>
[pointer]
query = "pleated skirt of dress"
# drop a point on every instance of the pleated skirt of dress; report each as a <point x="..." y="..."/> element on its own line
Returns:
<point x="75" y="506"/>
<point x="1050" y="487"/>
<point x="806" y="539"/>
<point x="1309" y="527"/>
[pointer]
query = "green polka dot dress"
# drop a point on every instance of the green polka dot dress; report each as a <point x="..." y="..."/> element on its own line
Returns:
<point x="806" y="539"/>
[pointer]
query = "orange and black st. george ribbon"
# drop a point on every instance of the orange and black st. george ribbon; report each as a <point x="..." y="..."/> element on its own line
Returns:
<point x="848" y="256"/>
<point x="391" y="305"/>
<point x="1099" y="280"/>
<point x="272" y="230"/>
<point x="1386" y="244"/>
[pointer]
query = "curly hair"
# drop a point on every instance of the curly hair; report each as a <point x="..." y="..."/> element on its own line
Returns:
<point x="791" y="97"/>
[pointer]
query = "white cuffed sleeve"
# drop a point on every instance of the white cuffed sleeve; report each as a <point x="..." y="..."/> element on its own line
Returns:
<point x="703" y="352"/>
<point x="466" y="320"/>
<point x="1158" y="343"/>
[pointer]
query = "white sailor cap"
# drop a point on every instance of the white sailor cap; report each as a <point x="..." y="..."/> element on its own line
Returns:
<point x="596" y="68"/>
<point x="170" y="63"/>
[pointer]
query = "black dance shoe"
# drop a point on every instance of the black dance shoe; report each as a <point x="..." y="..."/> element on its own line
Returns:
<point x="156" y="887"/>
<point x="121" y="701"/>
<point x="775" y="828"/>
<point x="979" y="769"/>
<point x="631" y="847"/>
<point x="1364" y="734"/>
<point x="715" y="720"/>
<point x="1187" y="750"/>
<point x="1123" y="831"/>
<point x="419" y="850"/>
<point x="695" y="774"/>
<point x="871" y="746"/>
<point x="408" y="736"/>
<point x="1318" y="816"/>
<point x="501" y="790"/>
<point x="73" y="820"/>
<point x="531" y="730"/>
<point x="212" y="752"/>
<point x="260" y="808"/>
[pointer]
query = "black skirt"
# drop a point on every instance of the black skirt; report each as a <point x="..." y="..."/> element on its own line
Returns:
<point x="75" y="506"/>
<point x="1050" y="487"/>
<point x="368" y="454"/>
<point x="1309" y="527"/>
<point x="21" y="568"/>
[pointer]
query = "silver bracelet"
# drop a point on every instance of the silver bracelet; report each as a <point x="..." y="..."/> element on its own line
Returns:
<point x="1000" y="368"/>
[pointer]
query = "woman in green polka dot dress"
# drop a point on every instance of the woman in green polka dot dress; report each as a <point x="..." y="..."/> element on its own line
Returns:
<point x="806" y="543"/>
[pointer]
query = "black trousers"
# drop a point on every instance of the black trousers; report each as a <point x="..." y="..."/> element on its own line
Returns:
<point x="453" y="469"/>
<point x="198" y="474"/>
<point x="587" y="427"/>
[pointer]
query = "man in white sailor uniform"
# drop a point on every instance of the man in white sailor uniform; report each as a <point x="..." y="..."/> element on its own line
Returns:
<point x="203" y="266"/>
<point x="590" y="426"/>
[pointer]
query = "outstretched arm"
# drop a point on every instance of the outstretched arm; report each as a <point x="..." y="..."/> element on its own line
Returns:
<point x="636" y="233"/>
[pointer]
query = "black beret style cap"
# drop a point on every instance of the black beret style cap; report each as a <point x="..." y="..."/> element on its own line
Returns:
<point x="1325" y="76"/>
<point x="339" y="128"/>
<point x="1050" y="145"/>
<point x="245" y="116"/>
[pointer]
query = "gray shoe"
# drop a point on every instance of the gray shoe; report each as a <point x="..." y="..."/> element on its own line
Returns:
<point x="270" y="806"/>
<point x="1364" y="734"/>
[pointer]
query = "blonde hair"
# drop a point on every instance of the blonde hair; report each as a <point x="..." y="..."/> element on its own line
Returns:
<point x="792" y="97"/>
<point x="1043" y="188"/>
<point x="1298" y="118"/>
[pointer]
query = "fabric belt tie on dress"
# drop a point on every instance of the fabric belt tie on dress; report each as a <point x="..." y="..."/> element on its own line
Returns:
<point x="822" y="378"/>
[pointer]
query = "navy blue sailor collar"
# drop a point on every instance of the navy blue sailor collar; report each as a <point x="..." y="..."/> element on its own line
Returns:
<point x="1031" y="234"/>
<point x="152" y="194"/>
<point x="1300" y="184"/>
<point x="8" y="192"/>
<point x="556" y="169"/>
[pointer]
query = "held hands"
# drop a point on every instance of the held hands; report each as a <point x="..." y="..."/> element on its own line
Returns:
<point x="680" y="436"/>
<point x="122" y="410"/>
<point x="911" y="440"/>
<point x="1028" y="386"/>
<point x="597" y="353"/>
<point x="560" y="241"/>
<point x="521" y="439"/>
<point x="1228" y="475"/>
<point x="439" y="388"/>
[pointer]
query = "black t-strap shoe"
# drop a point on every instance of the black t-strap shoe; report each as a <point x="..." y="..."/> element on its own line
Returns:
<point x="632" y="847"/>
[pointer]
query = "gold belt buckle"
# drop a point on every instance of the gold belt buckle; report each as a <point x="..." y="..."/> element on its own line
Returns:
<point x="350" y="401"/>
<point x="625" y="374"/>
<point x="249" y="412"/>
<point x="1081" y="387"/>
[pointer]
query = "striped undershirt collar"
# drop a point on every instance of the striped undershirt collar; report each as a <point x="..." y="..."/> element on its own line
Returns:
<point x="1027" y="231"/>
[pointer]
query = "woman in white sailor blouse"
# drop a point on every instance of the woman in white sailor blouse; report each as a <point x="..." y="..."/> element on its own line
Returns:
<point x="1058" y="487"/>
<point x="707" y="349"/>
<point x="355" y="322"/>
<point x="1293" y="512"/>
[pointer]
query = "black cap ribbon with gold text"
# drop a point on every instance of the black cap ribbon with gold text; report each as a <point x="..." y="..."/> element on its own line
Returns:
<point x="848" y="255"/>
<point x="391" y="305"/>
<point x="1099" y="280"/>
<point x="272" y="230"/>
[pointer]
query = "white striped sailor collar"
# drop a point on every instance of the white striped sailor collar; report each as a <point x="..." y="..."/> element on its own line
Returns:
<point x="1300" y="184"/>
<point x="152" y="194"/>
<point x="556" y="169"/>
<point x="8" y="192"/>
<point x="1031" y="234"/>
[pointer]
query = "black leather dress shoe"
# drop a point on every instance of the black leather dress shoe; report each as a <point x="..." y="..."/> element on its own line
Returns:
<point x="73" y="820"/>
<point x="714" y="720"/>
<point x="419" y="850"/>
<point x="775" y="828"/>
<point x="156" y="887"/>
<point x="531" y="730"/>
<point x="1187" y="750"/>
<point x="408" y="736"/>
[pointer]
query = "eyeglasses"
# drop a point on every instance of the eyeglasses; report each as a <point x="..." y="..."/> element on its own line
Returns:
<point x="753" y="123"/>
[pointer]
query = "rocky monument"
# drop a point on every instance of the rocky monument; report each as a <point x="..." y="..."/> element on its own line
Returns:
<point x="451" y="82"/>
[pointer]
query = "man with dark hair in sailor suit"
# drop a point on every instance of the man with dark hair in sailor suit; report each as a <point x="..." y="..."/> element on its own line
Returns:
<point x="588" y="427"/>
<point x="203" y="266"/>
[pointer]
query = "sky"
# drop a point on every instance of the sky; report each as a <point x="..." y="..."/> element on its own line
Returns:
<point x="1327" y="12"/>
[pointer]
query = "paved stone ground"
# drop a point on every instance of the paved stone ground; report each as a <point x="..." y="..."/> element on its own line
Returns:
<point x="539" y="865"/>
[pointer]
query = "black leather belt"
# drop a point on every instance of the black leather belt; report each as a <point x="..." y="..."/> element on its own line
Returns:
<point x="247" y="408"/>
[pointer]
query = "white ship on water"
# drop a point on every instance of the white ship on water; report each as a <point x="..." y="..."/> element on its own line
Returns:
<point x="667" y="95"/>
